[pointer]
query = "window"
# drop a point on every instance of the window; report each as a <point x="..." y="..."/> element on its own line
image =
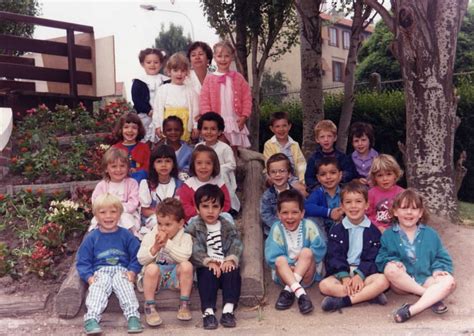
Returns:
<point x="346" y="39"/>
<point x="333" y="37"/>
<point x="337" y="71"/>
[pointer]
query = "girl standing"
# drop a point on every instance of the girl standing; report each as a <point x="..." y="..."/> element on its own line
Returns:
<point x="227" y="93"/>
<point x="176" y="99"/>
<point x="384" y="174"/>
<point x="127" y="134"/>
<point x="115" y="166"/>
<point x="162" y="183"/>
<point x="414" y="259"/>
<point x="144" y="88"/>
<point x="204" y="169"/>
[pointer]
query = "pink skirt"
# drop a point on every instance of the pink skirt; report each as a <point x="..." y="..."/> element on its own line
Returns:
<point x="236" y="136"/>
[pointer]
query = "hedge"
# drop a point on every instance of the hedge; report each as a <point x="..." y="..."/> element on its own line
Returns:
<point x="386" y="112"/>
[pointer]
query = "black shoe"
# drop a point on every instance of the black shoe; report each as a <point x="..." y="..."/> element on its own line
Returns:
<point x="209" y="322"/>
<point x="304" y="304"/>
<point x="228" y="320"/>
<point x="285" y="300"/>
<point x="331" y="303"/>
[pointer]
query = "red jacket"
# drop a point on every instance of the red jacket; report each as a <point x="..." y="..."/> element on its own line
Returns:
<point x="140" y="154"/>
<point x="210" y="98"/>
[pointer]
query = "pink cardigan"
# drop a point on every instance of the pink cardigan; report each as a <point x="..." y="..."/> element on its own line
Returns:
<point x="210" y="99"/>
<point x="130" y="200"/>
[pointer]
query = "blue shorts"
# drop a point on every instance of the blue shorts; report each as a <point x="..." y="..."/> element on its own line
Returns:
<point x="169" y="277"/>
<point x="278" y="281"/>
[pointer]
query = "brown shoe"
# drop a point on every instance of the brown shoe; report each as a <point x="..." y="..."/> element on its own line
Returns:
<point x="184" y="314"/>
<point x="152" y="317"/>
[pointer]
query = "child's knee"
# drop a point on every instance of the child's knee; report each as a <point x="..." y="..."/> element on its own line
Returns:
<point x="185" y="268"/>
<point x="392" y="271"/>
<point x="306" y="253"/>
<point x="381" y="280"/>
<point x="281" y="262"/>
<point x="152" y="271"/>
<point x="325" y="285"/>
<point x="449" y="282"/>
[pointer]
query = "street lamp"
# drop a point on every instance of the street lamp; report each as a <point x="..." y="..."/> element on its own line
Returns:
<point x="153" y="8"/>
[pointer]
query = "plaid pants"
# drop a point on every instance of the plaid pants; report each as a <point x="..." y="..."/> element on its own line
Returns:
<point x="108" y="279"/>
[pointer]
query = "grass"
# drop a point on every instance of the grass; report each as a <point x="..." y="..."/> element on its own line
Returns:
<point x="466" y="212"/>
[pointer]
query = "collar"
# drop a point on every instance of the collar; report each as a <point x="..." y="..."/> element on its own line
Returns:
<point x="371" y="155"/>
<point x="348" y="225"/>
<point x="273" y="139"/>
<point x="396" y="227"/>
<point x="338" y="191"/>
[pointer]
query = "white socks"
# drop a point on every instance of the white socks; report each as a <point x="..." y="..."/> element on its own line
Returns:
<point x="296" y="287"/>
<point x="228" y="308"/>
<point x="208" y="311"/>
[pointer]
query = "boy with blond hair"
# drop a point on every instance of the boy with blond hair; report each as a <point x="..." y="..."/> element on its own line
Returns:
<point x="164" y="254"/>
<point x="325" y="133"/>
<point x="107" y="261"/>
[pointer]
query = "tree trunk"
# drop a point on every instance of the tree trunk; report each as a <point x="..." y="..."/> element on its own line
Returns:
<point x="311" y="69"/>
<point x="425" y="45"/>
<point x="241" y="38"/>
<point x="254" y="122"/>
<point x="349" y="75"/>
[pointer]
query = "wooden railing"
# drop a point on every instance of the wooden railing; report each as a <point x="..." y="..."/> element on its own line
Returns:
<point x="16" y="67"/>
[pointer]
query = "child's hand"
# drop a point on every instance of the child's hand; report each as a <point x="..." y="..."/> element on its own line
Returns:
<point x="241" y="122"/>
<point x="300" y="187"/>
<point x="91" y="280"/>
<point x="364" y="181"/>
<point x="162" y="237"/>
<point x="336" y="214"/>
<point x="439" y="273"/>
<point x="228" y="266"/>
<point x="356" y="284"/>
<point x="131" y="276"/>
<point x="194" y="134"/>
<point x="346" y="283"/>
<point x="158" y="132"/>
<point x="214" y="267"/>
<point x="150" y="114"/>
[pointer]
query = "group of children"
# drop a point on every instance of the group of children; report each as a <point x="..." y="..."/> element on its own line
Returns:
<point x="324" y="218"/>
<point x="356" y="228"/>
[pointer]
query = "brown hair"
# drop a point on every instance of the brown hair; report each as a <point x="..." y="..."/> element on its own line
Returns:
<point x="128" y="118"/>
<point x="325" y="125"/>
<point x="177" y="61"/>
<point x="359" y="129"/>
<point x="149" y="51"/>
<point x="280" y="115"/>
<point x="113" y="154"/>
<point x="277" y="158"/>
<point x="216" y="168"/>
<point x="290" y="195"/>
<point x="171" y="207"/>
<point x="204" y="46"/>
<point x="355" y="187"/>
<point x="385" y="162"/>
<point x="410" y="198"/>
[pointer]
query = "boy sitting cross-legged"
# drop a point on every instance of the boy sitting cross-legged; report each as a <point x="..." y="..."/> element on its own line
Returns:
<point x="217" y="249"/>
<point x="107" y="261"/>
<point x="325" y="133"/>
<point x="350" y="261"/>
<point x="165" y="253"/>
<point x="294" y="250"/>
<point x="323" y="205"/>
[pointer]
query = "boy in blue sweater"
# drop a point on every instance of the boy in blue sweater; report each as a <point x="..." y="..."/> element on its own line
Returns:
<point x="350" y="261"/>
<point x="294" y="250"/>
<point x="107" y="261"/>
<point x="325" y="133"/>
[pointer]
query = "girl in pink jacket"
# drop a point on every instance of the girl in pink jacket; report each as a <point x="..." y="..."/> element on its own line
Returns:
<point x="228" y="93"/>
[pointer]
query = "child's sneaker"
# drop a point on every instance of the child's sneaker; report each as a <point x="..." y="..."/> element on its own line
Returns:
<point x="92" y="327"/>
<point x="331" y="303"/>
<point x="184" y="314"/>
<point x="152" y="317"/>
<point x="134" y="326"/>
<point x="380" y="299"/>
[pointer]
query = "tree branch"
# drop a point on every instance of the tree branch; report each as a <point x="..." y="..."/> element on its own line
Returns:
<point x="385" y="14"/>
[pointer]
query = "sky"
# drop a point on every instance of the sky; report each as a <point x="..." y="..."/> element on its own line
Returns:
<point x="133" y="27"/>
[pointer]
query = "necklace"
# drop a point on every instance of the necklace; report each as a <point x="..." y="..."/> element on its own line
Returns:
<point x="299" y="237"/>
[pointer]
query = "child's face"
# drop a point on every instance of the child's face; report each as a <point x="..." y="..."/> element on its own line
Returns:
<point x="151" y="64"/>
<point x="117" y="170"/>
<point x="354" y="206"/>
<point x="203" y="166"/>
<point x="178" y="76"/>
<point x="278" y="173"/>
<point x="198" y="58"/>
<point x="129" y="133"/>
<point x="169" y="224"/>
<point x="210" y="132"/>
<point x="173" y="131"/>
<point x="408" y="215"/>
<point x="361" y="144"/>
<point x="326" y="140"/>
<point x="290" y="215"/>
<point x="385" y="179"/>
<point x="281" y="128"/>
<point x="108" y="218"/>
<point x="223" y="58"/>
<point x="329" y="176"/>
<point x="209" y="211"/>
<point x="163" y="167"/>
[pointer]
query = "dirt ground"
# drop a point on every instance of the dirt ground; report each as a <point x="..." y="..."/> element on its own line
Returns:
<point x="362" y="319"/>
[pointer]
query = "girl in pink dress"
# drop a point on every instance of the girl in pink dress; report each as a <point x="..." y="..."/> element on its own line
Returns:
<point x="227" y="92"/>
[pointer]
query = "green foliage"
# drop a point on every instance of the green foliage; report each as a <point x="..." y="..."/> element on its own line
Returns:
<point x="172" y="40"/>
<point x="465" y="47"/>
<point x="273" y="83"/>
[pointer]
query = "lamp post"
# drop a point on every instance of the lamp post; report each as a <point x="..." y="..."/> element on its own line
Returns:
<point x="153" y="8"/>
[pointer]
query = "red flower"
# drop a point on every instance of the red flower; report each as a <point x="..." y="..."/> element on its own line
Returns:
<point x="24" y="149"/>
<point x="82" y="167"/>
<point x="2" y="197"/>
<point x="28" y="190"/>
<point x="14" y="160"/>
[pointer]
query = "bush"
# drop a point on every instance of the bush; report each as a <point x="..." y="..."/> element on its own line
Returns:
<point x="386" y="112"/>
